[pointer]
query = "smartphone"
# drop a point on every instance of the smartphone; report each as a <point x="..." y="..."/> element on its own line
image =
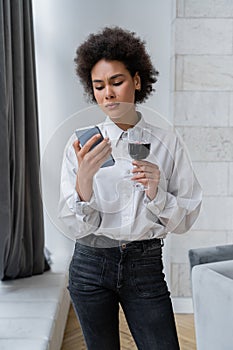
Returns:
<point x="84" y="135"/>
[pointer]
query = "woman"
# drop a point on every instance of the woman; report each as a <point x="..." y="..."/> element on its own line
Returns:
<point x="119" y="231"/>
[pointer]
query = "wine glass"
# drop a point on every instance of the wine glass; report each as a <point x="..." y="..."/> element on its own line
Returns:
<point x="139" y="144"/>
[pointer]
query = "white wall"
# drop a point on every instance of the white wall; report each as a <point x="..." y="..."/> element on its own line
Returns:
<point x="60" y="26"/>
<point x="203" y="114"/>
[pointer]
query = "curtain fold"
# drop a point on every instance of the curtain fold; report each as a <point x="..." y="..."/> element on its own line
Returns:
<point x="21" y="213"/>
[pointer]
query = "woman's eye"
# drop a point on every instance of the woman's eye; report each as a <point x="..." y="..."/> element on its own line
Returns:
<point x="118" y="83"/>
<point x="99" y="87"/>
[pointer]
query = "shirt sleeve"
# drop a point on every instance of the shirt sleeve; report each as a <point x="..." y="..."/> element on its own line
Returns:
<point x="80" y="218"/>
<point x="178" y="201"/>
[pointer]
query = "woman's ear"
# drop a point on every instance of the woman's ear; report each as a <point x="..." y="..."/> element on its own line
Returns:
<point x="137" y="82"/>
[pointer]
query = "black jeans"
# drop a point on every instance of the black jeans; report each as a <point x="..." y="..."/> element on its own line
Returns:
<point x="130" y="274"/>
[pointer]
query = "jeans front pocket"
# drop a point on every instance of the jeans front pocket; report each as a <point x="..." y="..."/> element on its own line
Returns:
<point x="86" y="270"/>
<point x="148" y="277"/>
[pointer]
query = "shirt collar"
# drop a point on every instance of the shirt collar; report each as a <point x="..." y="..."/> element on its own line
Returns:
<point x="114" y="132"/>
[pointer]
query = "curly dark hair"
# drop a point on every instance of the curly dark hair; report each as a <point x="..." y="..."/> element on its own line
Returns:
<point x="114" y="43"/>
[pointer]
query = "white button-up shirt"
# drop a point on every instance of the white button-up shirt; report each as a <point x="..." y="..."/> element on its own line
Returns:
<point x="118" y="210"/>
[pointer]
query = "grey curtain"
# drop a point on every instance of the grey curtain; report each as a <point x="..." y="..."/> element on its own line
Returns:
<point x="21" y="216"/>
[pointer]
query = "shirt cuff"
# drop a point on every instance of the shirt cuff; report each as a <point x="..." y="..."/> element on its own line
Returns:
<point x="83" y="208"/>
<point x="158" y="203"/>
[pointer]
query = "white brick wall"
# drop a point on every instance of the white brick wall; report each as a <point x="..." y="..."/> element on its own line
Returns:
<point x="208" y="144"/>
<point x="180" y="280"/>
<point x="205" y="8"/>
<point x="214" y="177"/>
<point x="231" y="110"/>
<point x="203" y="72"/>
<point x="216" y="214"/>
<point x="202" y="92"/>
<point x="202" y="108"/>
<point x="200" y="37"/>
<point x="231" y="179"/>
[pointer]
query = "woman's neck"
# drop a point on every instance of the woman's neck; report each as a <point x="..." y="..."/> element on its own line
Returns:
<point x="129" y="121"/>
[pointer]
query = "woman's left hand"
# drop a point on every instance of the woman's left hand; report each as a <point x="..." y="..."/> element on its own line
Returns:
<point x="148" y="174"/>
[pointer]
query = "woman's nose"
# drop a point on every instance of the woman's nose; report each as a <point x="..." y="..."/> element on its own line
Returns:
<point x="109" y="93"/>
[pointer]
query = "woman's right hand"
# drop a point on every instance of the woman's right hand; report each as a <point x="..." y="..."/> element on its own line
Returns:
<point x="89" y="162"/>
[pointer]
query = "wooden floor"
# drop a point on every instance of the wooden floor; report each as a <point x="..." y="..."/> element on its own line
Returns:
<point x="73" y="339"/>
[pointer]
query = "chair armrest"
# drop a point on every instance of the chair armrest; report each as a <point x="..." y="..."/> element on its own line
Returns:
<point x="210" y="254"/>
<point x="212" y="286"/>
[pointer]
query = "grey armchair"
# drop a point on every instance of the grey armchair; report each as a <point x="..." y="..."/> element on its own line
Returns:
<point x="210" y="254"/>
<point x="212" y="289"/>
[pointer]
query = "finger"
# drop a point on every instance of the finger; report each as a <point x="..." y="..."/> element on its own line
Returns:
<point x="145" y="169"/>
<point x="98" y="158"/>
<point x="139" y="176"/>
<point x="76" y="145"/>
<point x="101" y="148"/>
<point x="105" y="144"/>
<point x="97" y="149"/>
<point x="86" y="148"/>
<point x="144" y="182"/>
<point x="152" y="176"/>
<point x="141" y="163"/>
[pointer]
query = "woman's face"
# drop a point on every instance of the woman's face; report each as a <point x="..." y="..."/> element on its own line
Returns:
<point x="112" y="83"/>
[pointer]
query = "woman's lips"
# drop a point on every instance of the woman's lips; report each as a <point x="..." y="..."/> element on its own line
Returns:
<point x="111" y="106"/>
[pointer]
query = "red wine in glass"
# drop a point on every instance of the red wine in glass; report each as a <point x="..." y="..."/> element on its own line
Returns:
<point x="139" y="151"/>
<point x="139" y="144"/>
